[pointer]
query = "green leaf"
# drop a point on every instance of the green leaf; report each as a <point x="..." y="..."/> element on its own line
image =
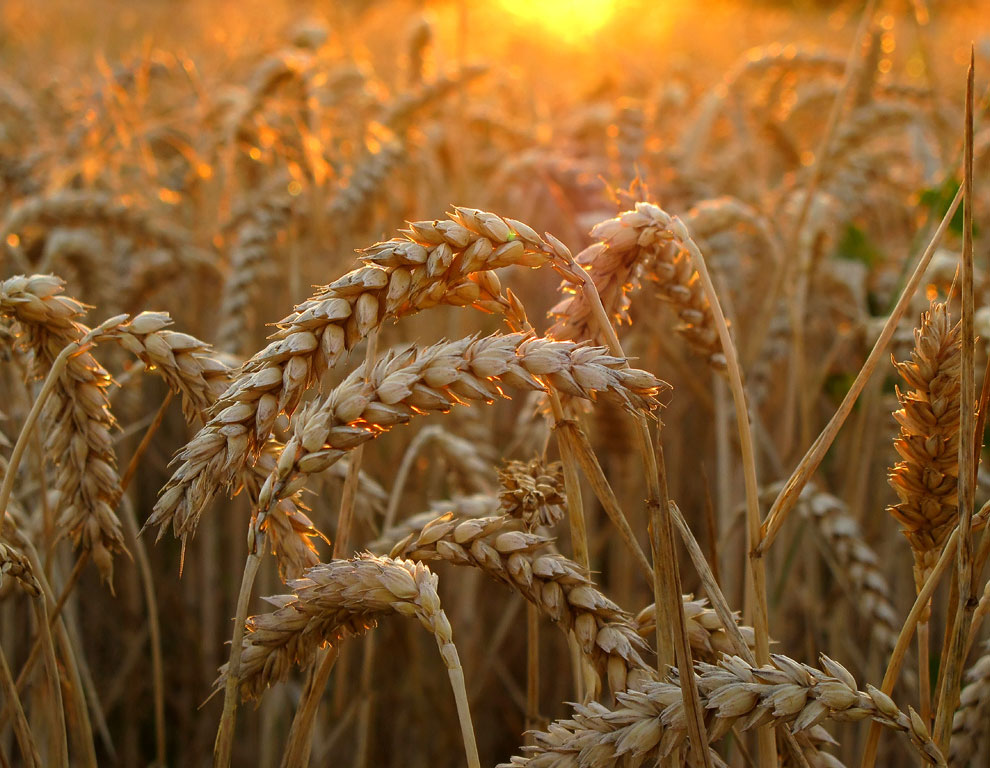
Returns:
<point x="856" y="245"/>
<point x="938" y="199"/>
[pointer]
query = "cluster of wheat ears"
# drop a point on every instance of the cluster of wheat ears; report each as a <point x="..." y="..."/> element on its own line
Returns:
<point x="686" y="470"/>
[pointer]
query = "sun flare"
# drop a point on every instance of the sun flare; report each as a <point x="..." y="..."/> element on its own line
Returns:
<point x="569" y="20"/>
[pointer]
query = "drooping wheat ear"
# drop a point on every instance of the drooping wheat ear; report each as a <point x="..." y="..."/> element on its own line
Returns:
<point x="340" y="599"/>
<point x="630" y="139"/>
<point x="551" y="582"/>
<point x="708" y="637"/>
<point x="291" y="533"/>
<point x="436" y="378"/>
<point x="436" y="262"/>
<point x="753" y="64"/>
<point x="926" y="479"/>
<point x="371" y="497"/>
<point x="864" y="124"/>
<point x="650" y="723"/>
<point x="333" y="601"/>
<point x="533" y="492"/>
<point x="13" y="562"/>
<point x="76" y="420"/>
<point x="253" y="246"/>
<point x="274" y="72"/>
<point x="637" y="244"/>
<point x="969" y="724"/>
<point x="856" y="562"/>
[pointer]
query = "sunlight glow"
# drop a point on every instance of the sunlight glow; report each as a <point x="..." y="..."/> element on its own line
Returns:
<point x="568" y="20"/>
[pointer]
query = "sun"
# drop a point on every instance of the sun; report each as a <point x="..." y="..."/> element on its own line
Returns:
<point x="570" y="20"/>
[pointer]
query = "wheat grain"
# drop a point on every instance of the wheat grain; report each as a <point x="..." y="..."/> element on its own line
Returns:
<point x="333" y="601"/>
<point x="532" y="492"/>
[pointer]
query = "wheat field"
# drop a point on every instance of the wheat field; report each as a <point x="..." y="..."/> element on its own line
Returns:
<point x="637" y="352"/>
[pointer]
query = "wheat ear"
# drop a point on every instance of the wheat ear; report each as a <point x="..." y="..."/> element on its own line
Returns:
<point x="76" y="419"/>
<point x="650" y="724"/>
<point x="343" y="598"/>
<point x="435" y="379"/>
<point x="926" y="478"/>
<point x="435" y="262"/>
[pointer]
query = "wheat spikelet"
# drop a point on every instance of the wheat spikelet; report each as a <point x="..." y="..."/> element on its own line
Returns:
<point x="188" y="365"/>
<point x="754" y="64"/>
<point x="433" y="264"/>
<point x="82" y="254"/>
<point x="864" y="125"/>
<point x="925" y="480"/>
<point x="969" y="724"/>
<point x="468" y="460"/>
<point x="532" y="492"/>
<point x="630" y="140"/>
<point x="190" y="368"/>
<point x="649" y="724"/>
<point x="419" y="40"/>
<point x="708" y="637"/>
<point x="13" y="562"/>
<point x="399" y="112"/>
<point x="293" y="65"/>
<point x="333" y="601"/>
<point x="77" y="420"/>
<point x="635" y="244"/>
<point x="435" y="379"/>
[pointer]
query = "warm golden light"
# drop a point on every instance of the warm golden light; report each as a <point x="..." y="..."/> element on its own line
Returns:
<point x="570" y="20"/>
